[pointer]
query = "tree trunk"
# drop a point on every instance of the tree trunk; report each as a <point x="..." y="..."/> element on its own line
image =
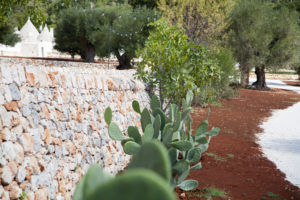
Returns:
<point x="260" y="82"/>
<point x="244" y="75"/>
<point x="89" y="54"/>
<point x="124" y="61"/>
<point x="298" y="72"/>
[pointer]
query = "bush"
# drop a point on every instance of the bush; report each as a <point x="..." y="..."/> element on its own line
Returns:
<point x="220" y="88"/>
<point x="174" y="131"/>
<point x="173" y="65"/>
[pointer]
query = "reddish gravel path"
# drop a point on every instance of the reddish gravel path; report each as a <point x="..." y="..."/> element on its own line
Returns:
<point x="248" y="175"/>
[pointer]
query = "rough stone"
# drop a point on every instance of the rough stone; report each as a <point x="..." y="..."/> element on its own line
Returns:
<point x="27" y="142"/>
<point x="7" y="176"/>
<point x="14" y="92"/>
<point x="21" y="174"/>
<point x="11" y="106"/>
<point x="14" y="190"/>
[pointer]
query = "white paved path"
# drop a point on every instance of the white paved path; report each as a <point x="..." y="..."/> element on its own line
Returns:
<point x="280" y="141"/>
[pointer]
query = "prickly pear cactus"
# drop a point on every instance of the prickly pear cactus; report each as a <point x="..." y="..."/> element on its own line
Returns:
<point x="174" y="132"/>
<point x="147" y="178"/>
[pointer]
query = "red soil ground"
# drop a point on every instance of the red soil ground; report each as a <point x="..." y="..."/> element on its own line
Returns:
<point x="248" y="175"/>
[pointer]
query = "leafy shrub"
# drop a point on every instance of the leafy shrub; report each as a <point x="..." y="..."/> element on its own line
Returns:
<point x="173" y="65"/>
<point x="173" y="131"/>
<point x="219" y="88"/>
<point x="147" y="178"/>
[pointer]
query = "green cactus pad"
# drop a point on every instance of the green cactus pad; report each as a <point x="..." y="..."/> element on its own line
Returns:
<point x="152" y="156"/>
<point x="148" y="133"/>
<point x="108" y="115"/>
<point x="134" y="185"/>
<point x="194" y="155"/>
<point x="136" y="107"/>
<point x="155" y="102"/>
<point x="131" y="147"/>
<point x="188" y="185"/>
<point x="134" y="133"/>
<point x="182" y="145"/>
<point x="213" y="132"/>
<point x="156" y="126"/>
<point x="162" y="115"/>
<point x="115" y="133"/>
<point x="202" y="128"/>
<point x="197" y="166"/>
<point x="94" y="177"/>
<point x="145" y="118"/>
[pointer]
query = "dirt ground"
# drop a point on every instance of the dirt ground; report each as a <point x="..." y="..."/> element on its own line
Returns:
<point x="235" y="162"/>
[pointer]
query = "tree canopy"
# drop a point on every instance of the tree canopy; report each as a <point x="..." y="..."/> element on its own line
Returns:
<point x="262" y="37"/>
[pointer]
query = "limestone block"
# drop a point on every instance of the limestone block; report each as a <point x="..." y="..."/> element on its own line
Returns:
<point x="21" y="73"/>
<point x="14" y="92"/>
<point x="7" y="93"/>
<point x="27" y="142"/>
<point x="11" y="106"/>
<point x="21" y="174"/>
<point x="6" y="74"/>
<point x="7" y="176"/>
<point x="7" y="135"/>
<point x="42" y="194"/>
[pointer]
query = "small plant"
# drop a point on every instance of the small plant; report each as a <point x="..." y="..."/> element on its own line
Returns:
<point x="173" y="131"/>
<point x="272" y="195"/>
<point x="23" y="195"/>
<point x="147" y="178"/>
<point x="230" y="155"/>
<point x="208" y="193"/>
<point x="216" y="157"/>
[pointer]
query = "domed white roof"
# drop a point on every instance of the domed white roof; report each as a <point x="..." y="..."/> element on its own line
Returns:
<point x="45" y="35"/>
<point x="28" y="32"/>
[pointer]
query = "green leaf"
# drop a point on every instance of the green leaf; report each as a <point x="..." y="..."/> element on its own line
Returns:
<point x="134" y="133"/>
<point x="153" y="156"/>
<point x="207" y="114"/>
<point x="148" y="133"/>
<point x="162" y="115"/>
<point x="213" y="132"/>
<point x="94" y="177"/>
<point x="155" y="102"/>
<point x="131" y="148"/>
<point x="202" y="128"/>
<point x="189" y="97"/>
<point x="185" y="113"/>
<point x="108" y="115"/>
<point x="180" y="167"/>
<point x="177" y="120"/>
<point x="173" y="155"/>
<point x="182" y="145"/>
<point x="136" y="106"/>
<point x="197" y="166"/>
<point x="202" y="140"/>
<point x="145" y="118"/>
<point x="156" y="126"/>
<point x="134" y="184"/>
<point x="114" y="132"/>
<point x="194" y="155"/>
<point x="188" y="185"/>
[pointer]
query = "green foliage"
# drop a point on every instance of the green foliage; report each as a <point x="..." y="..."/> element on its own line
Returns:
<point x="112" y="29"/>
<point x="146" y="178"/>
<point x="204" y="21"/>
<point x="175" y="133"/>
<point x="173" y="65"/>
<point x="139" y="3"/>
<point x="263" y="37"/>
<point x="7" y="35"/>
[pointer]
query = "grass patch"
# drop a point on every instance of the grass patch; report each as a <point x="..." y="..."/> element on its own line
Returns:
<point x="208" y="193"/>
<point x="216" y="157"/>
<point x="288" y="73"/>
<point x="216" y="104"/>
<point x="230" y="155"/>
<point x="295" y="98"/>
<point x="272" y="195"/>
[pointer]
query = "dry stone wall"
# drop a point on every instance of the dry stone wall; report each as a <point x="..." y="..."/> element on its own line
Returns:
<point x="52" y="126"/>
